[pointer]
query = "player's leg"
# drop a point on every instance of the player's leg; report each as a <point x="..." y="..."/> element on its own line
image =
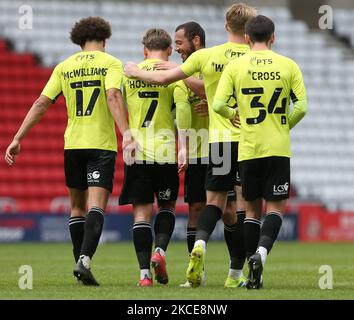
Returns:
<point x="215" y="206"/>
<point x="166" y="190"/>
<point x="96" y="203"/>
<point x="75" y="163"/>
<point x="194" y="211"/>
<point x="138" y="190"/>
<point x="142" y="238"/>
<point x="219" y="179"/>
<point x="233" y="218"/>
<point x="252" y="185"/>
<point x="270" y="227"/>
<point x="234" y="238"/>
<point x="213" y="211"/>
<point x="78" y="203"/>
<point x="252" y="228"/>
<point x="276" y="176"/>
<point x="195" y="196"/>
<point x="164" y="225"/>
<point x="100" y="173"/>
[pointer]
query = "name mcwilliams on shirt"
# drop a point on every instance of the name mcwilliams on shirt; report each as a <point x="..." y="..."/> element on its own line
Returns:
<point x="178" y="309"/>
<point x="137" y="84"/>
<point x="84" y="72"/>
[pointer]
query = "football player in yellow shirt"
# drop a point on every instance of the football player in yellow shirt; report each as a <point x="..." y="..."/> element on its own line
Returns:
<point x="190" y="37"/>
<point x="90" y="81"/>
<point x="155" y="171"/>
<point x="222" y="172"/>
<point x="263" y="83"/>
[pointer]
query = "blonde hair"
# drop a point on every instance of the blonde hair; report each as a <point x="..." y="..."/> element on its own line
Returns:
<point x="157" y="39"/>
<point x="237" y="16"/>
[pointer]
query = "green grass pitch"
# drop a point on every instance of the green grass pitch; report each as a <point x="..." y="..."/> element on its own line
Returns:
<point x="291" y="272"/>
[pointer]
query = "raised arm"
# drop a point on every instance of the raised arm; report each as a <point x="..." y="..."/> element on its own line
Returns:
<point x="34" y="115"/>
<point x="155" y="77"/>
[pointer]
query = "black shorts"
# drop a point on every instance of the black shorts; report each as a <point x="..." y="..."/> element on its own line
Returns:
<point x="89" y="168"/>
<point x="267" y="178"/>
<point x="144" y="181"/>
<point x="194" y="183"/>
<point x="222" y="172"/>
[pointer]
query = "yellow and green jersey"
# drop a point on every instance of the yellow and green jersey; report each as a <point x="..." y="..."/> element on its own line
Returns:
<point x="83" y="79"/>
<point x="198" y="133"/>
<point x="262" y="82"/>
<point x="211" y="63"/>
<point x="150" y="116"/>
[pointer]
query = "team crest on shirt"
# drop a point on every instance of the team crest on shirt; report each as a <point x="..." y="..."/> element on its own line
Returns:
<point x="165" y="194"/>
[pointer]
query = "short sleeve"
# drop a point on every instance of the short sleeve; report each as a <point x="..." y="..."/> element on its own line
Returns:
<point x="53" y="88"/>
<point x="194" y="63"/>
<point x="114" y="76"/>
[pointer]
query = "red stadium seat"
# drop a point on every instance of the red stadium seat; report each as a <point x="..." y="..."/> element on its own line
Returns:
<point x="38" y="176"/>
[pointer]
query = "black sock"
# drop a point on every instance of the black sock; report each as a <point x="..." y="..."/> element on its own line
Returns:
<point x="76" y="228"/>
<point x="142" y="238"/>
<point x="93" y="229"/>
<point x="234" y="237"/>
<point x="207" y="222"/>
<point x="270" y="230"/>
<point x="228" y="234"/>
<point x="252" y="228"/>
<point x="191" y="232"/>
<point x="163" y="227"/>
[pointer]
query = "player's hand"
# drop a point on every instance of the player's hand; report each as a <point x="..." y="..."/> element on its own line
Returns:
<point x="236" y="121"/>
<point x="182" y="160"/>
<point x="165" y="65"/>
<point x="131" y="69"/>
<point x="12" y="151"/>
<point x="130" y="148"/>
<point x="201" y="108"/>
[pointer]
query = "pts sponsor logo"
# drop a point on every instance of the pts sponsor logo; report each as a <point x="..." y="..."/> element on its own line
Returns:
<point x="281" y="189"/>
<point x="230" y="54"/>
<point x="257" y="62"/>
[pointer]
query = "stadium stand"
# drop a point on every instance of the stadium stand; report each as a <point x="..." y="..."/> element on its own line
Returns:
<point x="343" y="19"/>
<point x="322" y="169"/>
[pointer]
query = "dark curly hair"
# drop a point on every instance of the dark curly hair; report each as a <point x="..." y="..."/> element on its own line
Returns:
<point x="88" y="29"/>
